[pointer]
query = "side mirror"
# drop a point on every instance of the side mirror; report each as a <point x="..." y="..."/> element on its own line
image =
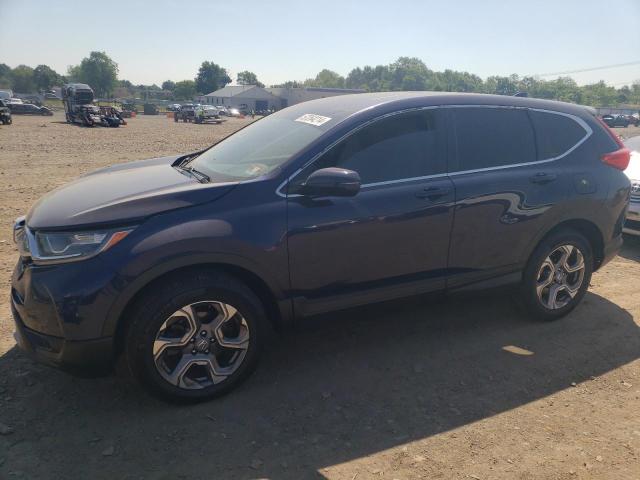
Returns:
<point x="332" y="182"/>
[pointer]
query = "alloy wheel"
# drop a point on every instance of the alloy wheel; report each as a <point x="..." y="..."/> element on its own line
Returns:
<point x="560" y="277"/>
<point x="201" y="344"/>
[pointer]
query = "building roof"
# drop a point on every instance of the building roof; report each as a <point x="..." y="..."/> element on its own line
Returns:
<point x="233" y="90"/>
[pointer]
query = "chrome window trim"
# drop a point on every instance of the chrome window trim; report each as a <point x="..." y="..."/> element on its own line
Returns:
<point x="585" y="126"/>
<point x="578" y="120"/>
<point x="344" y="137"/>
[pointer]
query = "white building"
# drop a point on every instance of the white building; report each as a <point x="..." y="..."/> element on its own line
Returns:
<point x="249" y="97"/>
<point x="252" y="97"/>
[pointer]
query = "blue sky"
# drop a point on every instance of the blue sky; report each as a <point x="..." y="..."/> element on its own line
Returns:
<point x="293" y="39"/>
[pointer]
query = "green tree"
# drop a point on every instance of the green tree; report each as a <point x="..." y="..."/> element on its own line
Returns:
<point x="211" y="77"/>
<point x="327" y="79"/>
<point x="22" y="79"/>
<point x="454" y="81"/>
<point x="5" y="76"/>
<point x="45" y="77"/>
<point x="599" y="95"/>
<point x="289" y="84"/>
<point x="248" y="78"/>
<point x="502" y="85"/>
<point x="99" y="71"/>
<point x="184" y="90"/>
<point x="74" y="73"/>
<point x="168" y="85"/>
<point x="409" y="73"/>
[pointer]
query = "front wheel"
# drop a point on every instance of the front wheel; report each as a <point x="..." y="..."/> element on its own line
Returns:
<point x="195" y="337"/>
<point x="557" y="276"/>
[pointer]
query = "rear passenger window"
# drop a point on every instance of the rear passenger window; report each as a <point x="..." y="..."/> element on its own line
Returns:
<point x="493" y="137"/>
<point x="555" y="133"/>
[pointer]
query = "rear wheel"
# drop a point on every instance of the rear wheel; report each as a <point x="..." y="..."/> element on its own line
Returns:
<point x="557" y="275"/>
<point x="196" y="337"/>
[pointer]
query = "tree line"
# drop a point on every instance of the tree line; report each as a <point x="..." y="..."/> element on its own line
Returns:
<point x="406" y="73"/>
<point x="410" y="73"/>
<point x="100" y="72"/>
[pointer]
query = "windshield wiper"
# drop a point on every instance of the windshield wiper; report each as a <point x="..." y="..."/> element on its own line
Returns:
<point x="188" y="158"/>
<point x="198" y="175"/>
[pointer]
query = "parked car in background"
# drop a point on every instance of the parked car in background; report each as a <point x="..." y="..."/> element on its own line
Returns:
<point x="28" y="109"/>
<point x="633" y="120"/>
<point x="233" y="112"/>
<point x="179" y="265"/>
<point x="632" y="224"/>
<point x="616" y="120"/>
<point x="204" y="113"/>
<point x="222" y="110"/>
<point x="186" y="112"/>
<point x="5" y="114"/>
<point x="173" y="107"/>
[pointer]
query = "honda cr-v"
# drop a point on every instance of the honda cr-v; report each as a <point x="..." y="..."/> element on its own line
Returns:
<point x="178" y="265"/>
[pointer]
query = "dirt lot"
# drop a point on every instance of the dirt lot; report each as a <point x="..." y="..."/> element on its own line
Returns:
<point x="412" y="389"/>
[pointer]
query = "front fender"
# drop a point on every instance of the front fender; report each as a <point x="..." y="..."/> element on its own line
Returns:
<point x="192" y="260"/>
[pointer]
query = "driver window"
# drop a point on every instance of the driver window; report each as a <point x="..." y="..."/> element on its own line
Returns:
<point x="397" y="147"/>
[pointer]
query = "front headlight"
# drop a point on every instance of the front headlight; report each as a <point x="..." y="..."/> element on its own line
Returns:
<point x="55" y="247"/>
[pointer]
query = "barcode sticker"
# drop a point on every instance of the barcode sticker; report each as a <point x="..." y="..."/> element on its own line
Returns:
<point x="313" y="119"/>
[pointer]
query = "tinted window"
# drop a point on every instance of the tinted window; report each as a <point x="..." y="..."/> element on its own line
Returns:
<point x="492" y="137"/>
<point x="555" y="134"/>
<point x="400" y="146"/>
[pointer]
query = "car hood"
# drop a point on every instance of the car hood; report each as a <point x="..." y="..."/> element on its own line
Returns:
<point x="122" y="194"/>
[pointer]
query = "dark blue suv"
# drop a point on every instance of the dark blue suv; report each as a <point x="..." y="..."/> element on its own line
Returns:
<point x="178" y="265"/>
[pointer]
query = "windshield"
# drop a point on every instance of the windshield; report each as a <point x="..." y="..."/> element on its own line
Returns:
<point x="259" y="148"/>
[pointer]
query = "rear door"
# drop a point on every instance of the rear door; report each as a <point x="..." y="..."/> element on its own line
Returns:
<point x="506" y="190"/>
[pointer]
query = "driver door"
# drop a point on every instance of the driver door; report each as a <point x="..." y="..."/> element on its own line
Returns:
<point x="392" y="238"/>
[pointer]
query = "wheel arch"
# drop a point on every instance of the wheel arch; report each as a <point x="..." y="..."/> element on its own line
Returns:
<point x="585" y="227"/>
<point x="279" y="311"/>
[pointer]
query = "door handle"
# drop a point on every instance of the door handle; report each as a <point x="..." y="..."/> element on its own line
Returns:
<point x="432" y="193"/>
<point x="542" y="178"/>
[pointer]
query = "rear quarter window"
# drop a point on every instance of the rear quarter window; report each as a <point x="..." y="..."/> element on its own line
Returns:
<point x="556" y="134"/>
<point x="493" y="137"/>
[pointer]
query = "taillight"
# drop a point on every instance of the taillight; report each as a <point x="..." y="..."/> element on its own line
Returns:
<point x="619" y="159"/>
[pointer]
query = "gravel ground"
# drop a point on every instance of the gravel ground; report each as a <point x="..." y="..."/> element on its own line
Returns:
<point x="457" y="388"/>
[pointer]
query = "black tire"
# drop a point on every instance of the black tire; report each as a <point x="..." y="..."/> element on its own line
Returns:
<point x="528" y="295"/>
<point x="175" y="117"/>
<point x="151" y="311"/>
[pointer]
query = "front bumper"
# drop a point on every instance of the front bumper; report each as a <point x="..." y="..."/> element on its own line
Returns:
<point x="60" y="312"/>
<point x="84" y="358"/>
<point x="632" y="224"/>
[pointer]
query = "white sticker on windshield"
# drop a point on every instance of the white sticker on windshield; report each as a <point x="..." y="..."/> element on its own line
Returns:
<point x="313" y="119"/>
